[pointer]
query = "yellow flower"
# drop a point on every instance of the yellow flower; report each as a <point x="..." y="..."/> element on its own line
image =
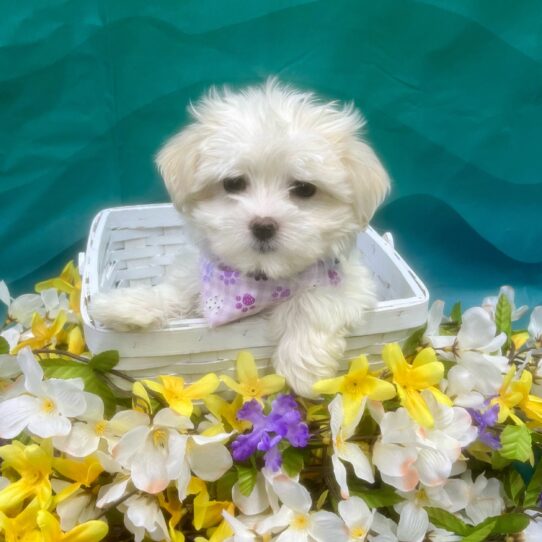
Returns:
<point x="178" y="396"/>
<point x="23" y="527"/>
<point x="515" y="393"/>
<point x="519" y="339"/>
<point x="43" y="335"/>
<point x="222" y="410"/>
<point x="250" y="385"/>
<point x="34" y="465"/>
<point x="68" y="282"/>
<point x="76" y="342"/>
<point x="176" y="511"/>
<point x="424" y="373"/>
<point x="207" y="513"/>
<point x="90" y="531"/>
<point x="355" y="386"/>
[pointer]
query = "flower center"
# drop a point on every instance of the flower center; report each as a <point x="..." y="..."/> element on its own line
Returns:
<point x="300" y="522"/>
<point x="251" y="388"/>
<point x="353" y="383"/>
<point x="4" y="384"/>
<point x="421" y="498"/>
<point x="357" y="532"/>
<point x="159" y="437"/>
<point x="100" y="427"/>
<point x="48" y="406"/>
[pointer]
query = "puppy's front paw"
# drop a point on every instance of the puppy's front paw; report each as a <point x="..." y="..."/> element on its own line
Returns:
<point x="128" y="309"/>
<point x="305" y="358"/>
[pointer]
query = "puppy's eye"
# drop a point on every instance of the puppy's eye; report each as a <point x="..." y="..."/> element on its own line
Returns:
<point x="302" y="189"/>
<point x="233" y="185"/>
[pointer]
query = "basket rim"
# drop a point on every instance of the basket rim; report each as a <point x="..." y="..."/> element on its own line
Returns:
<point x="89" y="262"/>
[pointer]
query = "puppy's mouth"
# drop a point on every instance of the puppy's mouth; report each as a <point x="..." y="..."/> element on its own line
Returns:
<point x="264" y="247"/>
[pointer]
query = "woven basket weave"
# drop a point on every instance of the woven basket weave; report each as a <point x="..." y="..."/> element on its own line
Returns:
<point x="135" y="245"/>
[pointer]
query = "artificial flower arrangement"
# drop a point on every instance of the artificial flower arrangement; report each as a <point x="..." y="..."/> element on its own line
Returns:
<point x="440" y="441"/>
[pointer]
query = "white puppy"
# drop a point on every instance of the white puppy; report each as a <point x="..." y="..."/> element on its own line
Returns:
<point x="275" y="186"/>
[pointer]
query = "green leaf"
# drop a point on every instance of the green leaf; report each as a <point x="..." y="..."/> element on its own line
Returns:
<point x="514" y="486"/>
<point x="481" y="531"/>
<point x="446" y="520"/>
<point x="246" y="477"/>
<point x="292" y="461"/>
<point x="104" y="361"/>
<point x="510" y="523"/>
<point x="376" y="498"/>
<point x="413" y="341"/>
<point x="63" y="368"/>
<point x="532" y="493"/>
<point x="224" y="485"/>
<point x="498" y="462"/>
<point x="516" y="443"/>
<point x="503" y="316"/>
<point x="456" y="313"/>
<point x="4" y="346"/>
<point x="94" y="384"/>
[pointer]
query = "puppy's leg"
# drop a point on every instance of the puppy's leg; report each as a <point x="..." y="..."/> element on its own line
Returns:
<point x="150" y="307"/>
<point x="311" y="328"/>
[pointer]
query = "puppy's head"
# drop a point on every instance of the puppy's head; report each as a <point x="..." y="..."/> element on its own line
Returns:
<point x="272" y="179"/>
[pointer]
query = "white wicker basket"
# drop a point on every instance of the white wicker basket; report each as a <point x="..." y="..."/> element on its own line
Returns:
<point x="134" y="245"/>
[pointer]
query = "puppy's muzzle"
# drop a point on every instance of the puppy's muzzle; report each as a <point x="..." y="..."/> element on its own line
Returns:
<point x="264" y="229"/>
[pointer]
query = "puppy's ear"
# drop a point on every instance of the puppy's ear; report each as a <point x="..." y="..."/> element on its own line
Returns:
<point x="177" y="161"/>
<point x="369" y="179"/>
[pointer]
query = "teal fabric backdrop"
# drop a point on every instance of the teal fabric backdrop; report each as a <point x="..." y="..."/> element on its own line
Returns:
<point x="452" y="91"/>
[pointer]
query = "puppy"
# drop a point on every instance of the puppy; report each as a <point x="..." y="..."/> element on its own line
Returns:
<point x="275" y="185"/>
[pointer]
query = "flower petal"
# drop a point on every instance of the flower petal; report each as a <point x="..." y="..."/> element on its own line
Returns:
<point x="329" y="386"/>
<point x="339" y="471"/>
<point x="352" y="453"/>
<point x="272" y="384"/>
<point x="256" y="502"/>
<point x="433" y="466"/>
<point x="16" y="413"/>
<point x="413" y="523"/>
<point x="202" y="387"/>
<point x="210" y="461"/>
<point x="355" y="513"/>
<point x="246" y="367"/>
<point x="80" y="442"/>
<point x="326" y="526"/>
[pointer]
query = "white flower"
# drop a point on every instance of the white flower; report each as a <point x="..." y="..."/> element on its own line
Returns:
<point x="48" y="303"/>
<point x="206" y="457"/>
<point x="407" y="453"/>
<point x="479" y="370"/>
<point x="357" y="517"/>
<point x="346" y="451"/>
<point x="46" y="407"/>
<point x="535" y="325"/>
<point x="452" y="497"/>
<point x="490" y="303"/>
<point x="432" y="330"/>
<point x="261" y="497"/>
<point x="114" y="491"/>
<point x="294" y="520"/>
<point x="142" y="516"/>
<point x="158" y="453"/>
<point x="533" y="532"/>
<point x="154" y="453"/>
<point x="388" y="531"/>
<point x="86" y="434"/>
<point x="9" y="366"/>
<point x="241" y="533"/>
<point x="77" y="508"/>
<point x="484" y="498"/>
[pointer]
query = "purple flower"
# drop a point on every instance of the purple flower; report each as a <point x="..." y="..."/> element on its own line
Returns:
<point x="283" y="423"/>
<point x="483" y="420"/>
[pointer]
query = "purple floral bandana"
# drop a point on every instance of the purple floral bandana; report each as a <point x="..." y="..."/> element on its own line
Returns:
<point x="228" y="295"/>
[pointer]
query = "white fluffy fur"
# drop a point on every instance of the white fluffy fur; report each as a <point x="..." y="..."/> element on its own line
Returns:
<point x="271" y="135"/>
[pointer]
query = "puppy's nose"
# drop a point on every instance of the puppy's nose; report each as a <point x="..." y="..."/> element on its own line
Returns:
<point x="264" y="228"/>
